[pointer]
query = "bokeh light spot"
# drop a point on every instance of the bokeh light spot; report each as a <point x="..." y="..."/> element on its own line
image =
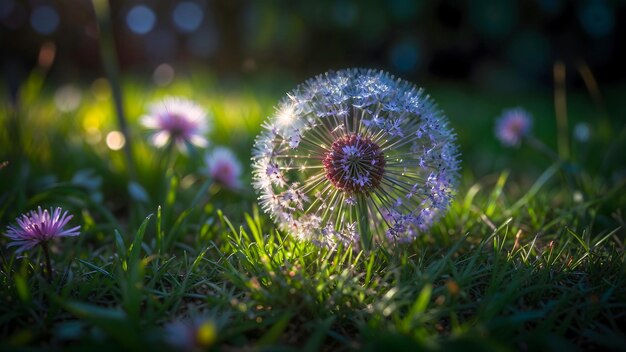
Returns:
<point x="597" y="18"/>
<point x="161" y="45"/>
<point x="582" y="132"/>
<point x="115" y="140"/>
<point x="12" y="14"/>
<point x="93" y="118"/>
<point x="345" y="13"/>
<point x="404" y="9"/>
<point x="101" y="89"/>
<point x="47" y="53"/>
<point x="530" y="51"/>
<point x="93" y="136"/>
<point x="140" y="19"/>
<point x="67" y="98"/>
<point x="6" y="7"/>
<point x="550" y="7"/>
<point x="44" y="19"/>
<point x="285" y="116"/>
<point x="405" y="56"/>
<point x="494" y="19"/>
<point x="163" y="75"/>
<point x="187" y="16"/>
<point x="203" y="42"/>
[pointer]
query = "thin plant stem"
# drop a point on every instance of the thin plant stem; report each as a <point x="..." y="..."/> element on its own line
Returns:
<point x="560" y="110"/>
<point x="46" y="255"/>
<point x="109" y="61"/>
<point x="169" y="160"/>
<point x="568" y="178"/>
<point x="592" y="86"/>
<point x="202" y="191"/>
<point x="363" y="223"/>
<point x="166" y="168"/>
<point x="540" y="146"/>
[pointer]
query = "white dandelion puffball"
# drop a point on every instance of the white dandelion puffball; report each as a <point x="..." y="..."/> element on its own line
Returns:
<point x="355" y="156"/>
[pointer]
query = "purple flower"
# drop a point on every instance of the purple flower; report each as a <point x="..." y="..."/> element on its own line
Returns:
<point x="224" y="168"/>
<point x="39" y="227"/>
<point x="179" y="121"/>
<point x="355" y="154"/>
<point x="513" y="125"/>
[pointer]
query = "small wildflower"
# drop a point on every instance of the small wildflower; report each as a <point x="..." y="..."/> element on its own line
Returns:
<point x="355" y="153"/>
<point x="513" y="125"/>
<point x="224" y="168"/>
<point x="39" y="227"/>
<point x="178" y="121"/>
<point x="191" y="334"/>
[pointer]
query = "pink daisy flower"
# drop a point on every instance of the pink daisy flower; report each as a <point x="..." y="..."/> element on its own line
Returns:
<point x="513" y="125"/>
<point x="224" y="168"/>
<point x="179" y="121"/>
<point x="38" y="227"/>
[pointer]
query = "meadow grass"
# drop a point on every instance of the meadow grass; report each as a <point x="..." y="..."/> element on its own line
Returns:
<point x="527" y="258"/>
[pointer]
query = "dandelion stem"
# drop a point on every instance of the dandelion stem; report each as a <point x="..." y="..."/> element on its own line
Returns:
<point x="560" y="109"/>
<point x="364" y="229"/>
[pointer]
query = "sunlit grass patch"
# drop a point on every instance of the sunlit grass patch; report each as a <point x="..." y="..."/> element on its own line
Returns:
<point x="529" y="256"/>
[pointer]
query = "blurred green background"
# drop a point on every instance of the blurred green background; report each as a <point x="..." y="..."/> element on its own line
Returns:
<point x="503" y="44"/>
<point x="238" y="58"/>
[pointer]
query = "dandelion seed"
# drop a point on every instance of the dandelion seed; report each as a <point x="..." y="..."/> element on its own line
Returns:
<point x="39" y="227"/>
<point x="355" y="153"/>
<point x="178" y="121"/>
<point x="224" y="168"/>
<point x="513" y="125"/>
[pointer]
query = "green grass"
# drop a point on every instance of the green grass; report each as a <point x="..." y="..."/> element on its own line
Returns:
<point x="530" y="255"/>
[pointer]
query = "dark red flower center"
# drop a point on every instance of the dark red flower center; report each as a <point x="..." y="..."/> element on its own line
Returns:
<point x="354" y="164"/>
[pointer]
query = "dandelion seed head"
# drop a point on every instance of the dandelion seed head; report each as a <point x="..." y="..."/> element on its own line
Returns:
<point x="513" y="125"/>
<point x="178" y="121"/>
<point x="39" y="226"/>
<point x="353" y="148"/>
